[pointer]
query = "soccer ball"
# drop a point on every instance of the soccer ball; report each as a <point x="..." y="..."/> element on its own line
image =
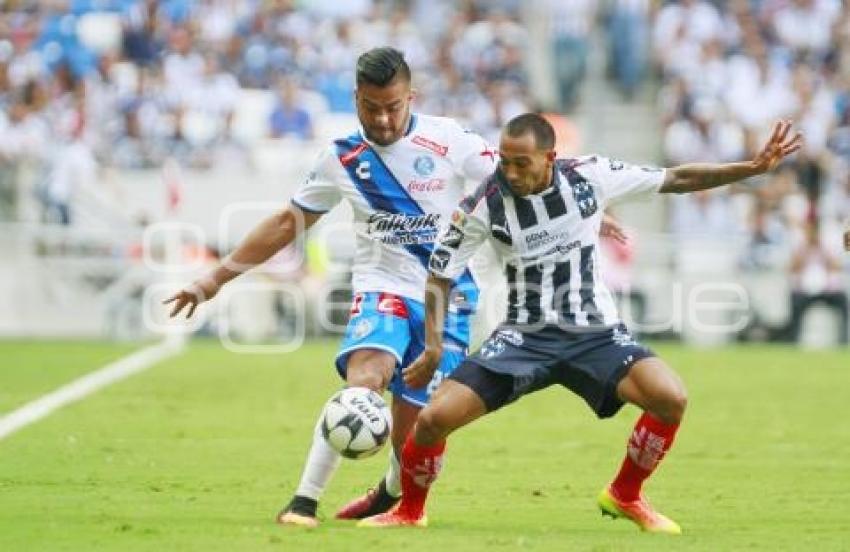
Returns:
<point x="356" y="422"/>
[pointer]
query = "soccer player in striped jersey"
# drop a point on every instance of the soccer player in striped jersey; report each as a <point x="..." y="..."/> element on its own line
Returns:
<point x="542" y="215"/>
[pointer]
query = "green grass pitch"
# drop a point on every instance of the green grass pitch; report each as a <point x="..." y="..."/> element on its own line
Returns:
<point x="199" y="453"/>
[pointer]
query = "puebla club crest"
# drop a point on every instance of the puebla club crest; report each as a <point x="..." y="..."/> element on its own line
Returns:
<point x="424" y="165"/>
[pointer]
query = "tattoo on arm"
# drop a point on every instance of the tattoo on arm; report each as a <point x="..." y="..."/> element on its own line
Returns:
<point x="698" y="176"/>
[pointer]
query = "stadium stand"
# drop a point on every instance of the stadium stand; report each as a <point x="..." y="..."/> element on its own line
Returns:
<point x="117" y="115"/>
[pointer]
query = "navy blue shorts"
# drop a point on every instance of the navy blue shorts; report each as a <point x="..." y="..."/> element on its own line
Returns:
<point x="590" y="363"/>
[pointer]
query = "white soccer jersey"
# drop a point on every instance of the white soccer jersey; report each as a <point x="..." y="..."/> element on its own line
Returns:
<point x="401" y="196"/>
<point x="548" y="242"/>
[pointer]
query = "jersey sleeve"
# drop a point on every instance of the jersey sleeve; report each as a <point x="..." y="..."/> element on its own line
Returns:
<point x="618" y="180"/>
<point x="319" y="193"/>
<point x="473" y="156"/>
<point x="458" y="242"/>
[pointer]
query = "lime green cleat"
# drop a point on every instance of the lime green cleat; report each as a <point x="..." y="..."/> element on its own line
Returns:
<point x="639" y="511"/>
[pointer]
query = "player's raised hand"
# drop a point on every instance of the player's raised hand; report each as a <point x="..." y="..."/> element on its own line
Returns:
<point x="781" y="144"/>
<point x="611" y="229"/>
<point x="421" y="370"/>
<point x="192" y="296"/>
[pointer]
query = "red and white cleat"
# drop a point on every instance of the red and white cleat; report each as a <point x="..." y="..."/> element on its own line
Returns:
<point x="374" y="502"/>
<point x="394" y="518"/>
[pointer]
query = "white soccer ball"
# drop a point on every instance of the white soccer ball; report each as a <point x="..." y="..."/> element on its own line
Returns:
<point x="356" y="422"/>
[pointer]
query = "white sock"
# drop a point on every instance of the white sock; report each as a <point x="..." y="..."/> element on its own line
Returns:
<point x="322" y="462"/>
<point x="393" y="478"/>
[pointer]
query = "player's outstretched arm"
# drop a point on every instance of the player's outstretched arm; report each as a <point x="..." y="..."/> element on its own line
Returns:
<point x="267" y="238"/>
<point x="703" y="176"/>
<point x="420" y="372"/>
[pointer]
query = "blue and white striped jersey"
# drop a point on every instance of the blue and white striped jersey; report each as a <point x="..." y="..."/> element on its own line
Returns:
<point x="548" y="242"/>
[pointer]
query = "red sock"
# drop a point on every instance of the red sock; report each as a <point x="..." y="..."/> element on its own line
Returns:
<point x="420" y="466"/>
<point x="647" y="445"/>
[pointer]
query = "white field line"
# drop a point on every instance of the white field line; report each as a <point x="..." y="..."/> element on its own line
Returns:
<point x="82" y="387"/>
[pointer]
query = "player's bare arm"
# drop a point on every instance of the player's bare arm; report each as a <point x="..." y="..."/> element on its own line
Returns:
<point x="420" y="372"/>
<point x="694" y="177"/>
<point x="267" y="238"/>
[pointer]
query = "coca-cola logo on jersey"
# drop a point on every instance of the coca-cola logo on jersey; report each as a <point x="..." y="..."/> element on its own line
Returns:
<point x="430" y="185"/>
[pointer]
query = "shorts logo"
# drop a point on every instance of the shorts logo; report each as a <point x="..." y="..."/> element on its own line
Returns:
<point x="361" y="329"/>
<point x="512" y="336"/>
<point x="435" y="382"/>
<point x="392" y="304"/>
<point x="355" y="305"/>
<point x="623" y="338"/>
<point x="492" y="347"/>
<point x="424" y="165"/>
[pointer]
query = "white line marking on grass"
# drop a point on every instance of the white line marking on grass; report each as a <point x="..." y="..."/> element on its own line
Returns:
<point x="82" y="387"/>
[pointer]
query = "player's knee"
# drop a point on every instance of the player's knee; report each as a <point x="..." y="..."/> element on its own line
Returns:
<point x="370" y="369"/>
<point x="371" y="379"/>
<point x="368" y="374"/>
<point x="673" y="405"/>
<point x="431" y="427"/>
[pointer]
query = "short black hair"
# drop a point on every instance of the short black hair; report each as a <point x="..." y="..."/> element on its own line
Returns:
<point x="544" y="134"/>
<point x="380" y="67"/>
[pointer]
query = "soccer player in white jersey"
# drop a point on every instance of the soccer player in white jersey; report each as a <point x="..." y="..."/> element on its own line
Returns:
<point x="402" y="174"/>
<point x="542" y="214"/>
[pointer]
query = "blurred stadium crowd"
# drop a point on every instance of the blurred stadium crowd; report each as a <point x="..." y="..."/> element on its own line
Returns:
<point x="729" y="71"/>
<point x="130" y="83"/>
<point x="138" y="78"/>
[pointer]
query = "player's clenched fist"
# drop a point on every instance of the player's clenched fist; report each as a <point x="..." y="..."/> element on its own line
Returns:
<point x="192" y="296"/>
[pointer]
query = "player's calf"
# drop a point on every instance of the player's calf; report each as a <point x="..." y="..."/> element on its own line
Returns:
<point x="453" y="405"/>
<point x="431" y="427"/>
